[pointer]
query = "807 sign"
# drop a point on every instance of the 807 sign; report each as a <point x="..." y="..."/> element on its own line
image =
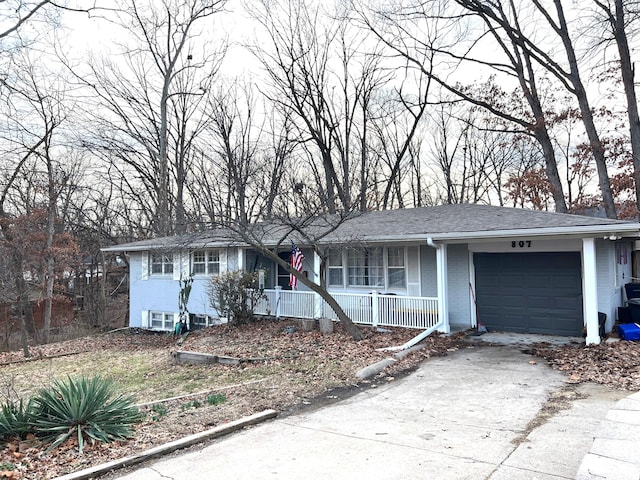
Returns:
<point x="521" y="244"/>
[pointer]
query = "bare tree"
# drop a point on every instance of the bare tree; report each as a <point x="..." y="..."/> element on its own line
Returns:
<point x="617" y="16"/>
<point x="507" y="24"/>
<point x="327" y="78"/>
<point x="151" y="96"/>
<point x="401" y="28"/>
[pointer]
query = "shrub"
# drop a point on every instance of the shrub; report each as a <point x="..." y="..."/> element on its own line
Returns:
<point x="16" y="419"/>
<point x="192" y="404"/>
<point x="83" y="407"/>
<point x="216" y="399"/>
<point x="234" y="295"/>
<point x="159" y="411"/>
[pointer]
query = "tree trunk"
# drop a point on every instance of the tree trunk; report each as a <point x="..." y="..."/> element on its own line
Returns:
<point x="551" y="168"/>
<point x="626" y="70"/>
<point x="23" y="331"/>
<point x="49" y="258"/>
<point x="346" y="322"/>
<point x="587" y="116"/>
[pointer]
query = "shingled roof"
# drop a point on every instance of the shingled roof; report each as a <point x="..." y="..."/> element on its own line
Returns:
<point x="445" y="222"/>
<point x="468" y="220"/>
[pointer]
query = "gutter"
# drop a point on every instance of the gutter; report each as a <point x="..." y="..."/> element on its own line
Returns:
<point x="426" y="333"/>
<point x="630" y="230"/>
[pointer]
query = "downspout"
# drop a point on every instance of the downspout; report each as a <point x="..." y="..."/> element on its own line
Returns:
<point x="426" y="333"/>
<point x="433" y="244"/>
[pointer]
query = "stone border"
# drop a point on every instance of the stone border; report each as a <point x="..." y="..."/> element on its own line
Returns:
<point x="166" y="448"/>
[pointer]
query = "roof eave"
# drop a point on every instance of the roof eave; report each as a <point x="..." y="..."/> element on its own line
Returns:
<point x="622" y="230"/>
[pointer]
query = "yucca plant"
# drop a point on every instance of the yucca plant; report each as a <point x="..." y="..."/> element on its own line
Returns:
<point x="16" y="419"/>
<point x="88" y="408"/>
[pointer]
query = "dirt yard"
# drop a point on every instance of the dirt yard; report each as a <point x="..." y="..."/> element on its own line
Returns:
<point x="279" y="370"/>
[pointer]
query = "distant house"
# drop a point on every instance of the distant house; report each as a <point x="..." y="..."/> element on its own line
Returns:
<point x="62" y="312"/>
<point x="432" y="268"/>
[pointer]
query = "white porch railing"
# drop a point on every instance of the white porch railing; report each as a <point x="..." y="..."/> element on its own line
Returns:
<point x="367" y="309"/>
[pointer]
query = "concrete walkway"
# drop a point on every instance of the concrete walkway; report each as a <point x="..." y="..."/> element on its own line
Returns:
<point x="615" y="452"/>
<point x="479" y="413"/>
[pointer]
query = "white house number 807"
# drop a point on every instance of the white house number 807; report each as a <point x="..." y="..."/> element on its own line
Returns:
<point x="521" y="244"/>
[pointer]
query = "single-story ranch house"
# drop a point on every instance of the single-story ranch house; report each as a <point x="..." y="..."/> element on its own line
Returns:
<point x="431" y="268"/>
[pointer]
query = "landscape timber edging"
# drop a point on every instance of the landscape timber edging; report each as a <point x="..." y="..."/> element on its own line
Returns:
<point x="184" y="442"/>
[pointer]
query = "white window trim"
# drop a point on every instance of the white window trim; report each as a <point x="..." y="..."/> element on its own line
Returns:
<point x="206" y="262"/>
<point x="369" y="287"/>
<point x="387" y="268"/>
<point x="340" y="267"/>
<point x="165" y="320"/>
<point x="209" y="320"/>
<point x="165" y="263"/>
<point x="385" y="263"/>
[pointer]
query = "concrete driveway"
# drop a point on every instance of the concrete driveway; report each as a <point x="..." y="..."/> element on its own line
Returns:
<point x="484" y="412"/>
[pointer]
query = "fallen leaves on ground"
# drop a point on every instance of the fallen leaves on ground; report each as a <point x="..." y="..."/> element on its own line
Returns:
<point x="289" y="371"/>
<point x="614" y="364"/>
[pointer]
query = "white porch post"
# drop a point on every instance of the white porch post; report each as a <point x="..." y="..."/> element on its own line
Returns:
<point x="317" y="265"/>
<point x="375" y="308"/>
<point x="590" y="291"/>
<point x="442" y="284"/>
<point x="277" y="299"/>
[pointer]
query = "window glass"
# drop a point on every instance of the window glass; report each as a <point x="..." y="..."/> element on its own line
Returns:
<point x="365" y="267"/>
<point x="161" y="263"/>
<point x="156" y="320"/>
<point x="162" y="320"/>
<point x="395" y="263"/>
<point x="335" y="269"/>
<point x="199" y="263"/>
<point x="213" y="262"/>
<point x="199" y="321"/>
<point x="206" y="262"/>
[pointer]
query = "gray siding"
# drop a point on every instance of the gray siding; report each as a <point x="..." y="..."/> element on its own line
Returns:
<point x="413" y="271"/>
<point x="457" y="281"/>
<point x="429" y="286"/>
<point x="609" y="296"/>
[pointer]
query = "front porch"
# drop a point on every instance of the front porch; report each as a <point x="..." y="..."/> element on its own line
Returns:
<point x="372" y="309"/>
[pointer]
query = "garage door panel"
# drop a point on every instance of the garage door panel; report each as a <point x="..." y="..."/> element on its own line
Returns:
<point x="511" y="324"/>
<point x="538" y="282"/>
<point x="508" y="280"/>
<point x="534" y="292"/>
<point x="544" y="303"/>
<point x="514" y="301"/>
<point x="550" y="325"/>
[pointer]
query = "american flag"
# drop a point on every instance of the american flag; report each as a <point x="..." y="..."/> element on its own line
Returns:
<point x="296" y="263"/>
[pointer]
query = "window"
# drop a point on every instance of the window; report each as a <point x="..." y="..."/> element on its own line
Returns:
<point x="368" y="267"/>
<point x="365" y="267"/>
<point x="395" y="267"/>
<point x="162" y="320"/>
<point x="161" y="264"/>
<point x="206" y="262"/>
<point x="200" y="321"/>
<point x="336" y="278"/>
